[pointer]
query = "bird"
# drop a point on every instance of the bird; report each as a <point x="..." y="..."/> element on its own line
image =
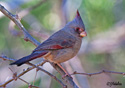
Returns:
<point x="60" y="46"/>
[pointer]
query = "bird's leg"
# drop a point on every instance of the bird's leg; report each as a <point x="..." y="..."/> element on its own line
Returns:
<point x="66" y="73"/>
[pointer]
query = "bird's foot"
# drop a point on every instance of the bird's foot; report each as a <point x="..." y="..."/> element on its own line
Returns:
<point x="66" y="73"/>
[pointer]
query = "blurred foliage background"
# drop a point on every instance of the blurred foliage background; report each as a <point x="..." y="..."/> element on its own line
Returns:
<point x="103" y="48"/>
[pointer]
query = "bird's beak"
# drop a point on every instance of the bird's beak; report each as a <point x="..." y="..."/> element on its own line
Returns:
<point x="83" y="34"/>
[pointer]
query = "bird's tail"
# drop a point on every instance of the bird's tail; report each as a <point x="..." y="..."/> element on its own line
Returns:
<point x="27" y="59"/>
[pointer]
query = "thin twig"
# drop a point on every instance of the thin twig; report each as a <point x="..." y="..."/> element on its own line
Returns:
<point x="20" y="74"/>
<point x="51" y="75"/>
<point x="35" y="76"/>
<point x="15" y="78"/>
<point x="96" y="73"/>
<point x="23" y="13"/>
<point x="28" y="69"/>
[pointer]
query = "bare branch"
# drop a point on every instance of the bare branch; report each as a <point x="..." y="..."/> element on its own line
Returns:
<point x="23" y="13"/>
<point x="96" y="73"/>
<point x="20" y="74"/>
<point x="67" y="80"/>
<point x="54" y="77"/>
<point x="28" y="69"/>
<point x="15" y="78"/>
<point x="16" y="20"/>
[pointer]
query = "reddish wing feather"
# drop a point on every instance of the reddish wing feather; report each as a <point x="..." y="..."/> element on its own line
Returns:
<point x="57" y="41"/>
<point x="54" y="47"/>
<point x="50" y="46"/>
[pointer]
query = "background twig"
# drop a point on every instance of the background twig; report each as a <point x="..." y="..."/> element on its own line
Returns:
<point x="28" y="69"/>
<point x="96" y="73"/>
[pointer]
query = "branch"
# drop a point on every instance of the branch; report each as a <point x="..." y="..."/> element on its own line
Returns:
<point x="96" y="73"/>
<point x="21" y="15"/>
<point x="15" y="78"/>
<point x="70" y="83"/>
<point x="19" y="75"/>
<point x="51" y="75"/>
<point x="16" y="20"/>
<point x="27" y="70"/>
<point x="67" y="80"/>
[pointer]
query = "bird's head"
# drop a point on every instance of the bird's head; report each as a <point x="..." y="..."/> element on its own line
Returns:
<point x="76" y="26"/>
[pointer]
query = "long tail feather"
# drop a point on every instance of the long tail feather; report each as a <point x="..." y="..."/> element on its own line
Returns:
<point x="21" y="61"/>
<point x="27" y="58"/>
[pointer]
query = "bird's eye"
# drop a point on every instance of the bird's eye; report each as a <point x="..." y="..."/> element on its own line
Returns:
<point x="78" y="29"/>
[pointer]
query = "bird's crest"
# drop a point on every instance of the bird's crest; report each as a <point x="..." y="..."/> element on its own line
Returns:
<point x="77" y="14"/>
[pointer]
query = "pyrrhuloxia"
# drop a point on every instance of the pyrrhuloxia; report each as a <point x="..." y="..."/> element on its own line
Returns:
<point x="61" y="46"/>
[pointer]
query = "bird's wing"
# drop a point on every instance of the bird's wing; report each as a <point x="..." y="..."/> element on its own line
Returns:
<point x="56" y="42"/>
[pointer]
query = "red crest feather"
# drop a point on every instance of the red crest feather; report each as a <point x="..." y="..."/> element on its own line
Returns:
<point x="77" y="14"/>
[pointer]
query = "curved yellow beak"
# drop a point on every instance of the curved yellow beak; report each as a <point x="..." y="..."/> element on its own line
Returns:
<point x="83" y="34"/>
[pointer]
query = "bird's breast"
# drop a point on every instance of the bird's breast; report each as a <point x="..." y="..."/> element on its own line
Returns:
<point x="62" y="55"/>
<point x="77" y="46"/>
